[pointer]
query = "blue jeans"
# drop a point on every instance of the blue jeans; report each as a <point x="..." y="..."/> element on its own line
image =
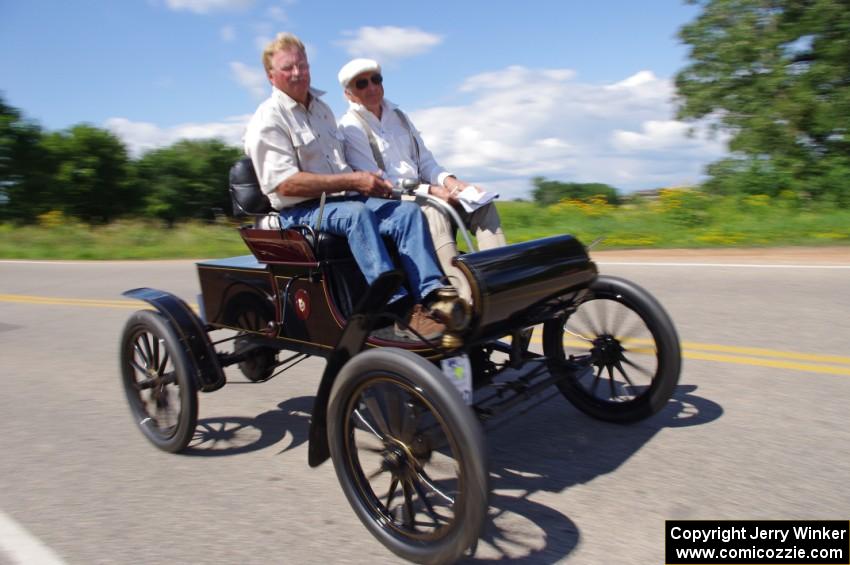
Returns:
<point x="363" y="220"/>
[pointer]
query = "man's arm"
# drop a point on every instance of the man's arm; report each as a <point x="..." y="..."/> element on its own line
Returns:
<point x="443" y="184"/>
<point x="312" y="185"/>
<point x="429" y="170"/>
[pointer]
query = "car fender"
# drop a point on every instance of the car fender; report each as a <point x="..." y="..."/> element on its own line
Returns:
<point x="192" y="333"/>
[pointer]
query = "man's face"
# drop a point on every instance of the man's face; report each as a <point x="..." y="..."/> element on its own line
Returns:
<point x="364" y="90"/>
<point x="290" y="72"/>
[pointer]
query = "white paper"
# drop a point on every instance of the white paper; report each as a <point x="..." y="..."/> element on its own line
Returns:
<point x="471" y="199"/>
<point x="459" y="372"/>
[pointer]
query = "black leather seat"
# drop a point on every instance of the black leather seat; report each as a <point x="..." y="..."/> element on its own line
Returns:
<point x="245" y="193"/>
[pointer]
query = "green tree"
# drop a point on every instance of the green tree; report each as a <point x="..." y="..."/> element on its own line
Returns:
<point x="24" y="166"/>
<point x="774" y="74"/>
<point x="548" y="192"/>
<point x="186" y="180"/>
<point x="90" y="174"/>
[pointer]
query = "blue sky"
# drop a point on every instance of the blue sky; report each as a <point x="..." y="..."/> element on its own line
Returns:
<point x="569" y="90"/>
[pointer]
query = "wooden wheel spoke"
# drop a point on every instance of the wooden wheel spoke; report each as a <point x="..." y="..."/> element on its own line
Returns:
<point x="148" y="356"/>
<point x="409" y="512"/>
<point x="376" y="472"/>
<point x="163" y="406"/>
<point x="620" y="315"/>
<point x="619" y="367"/>
<point x="634" y="328"/>
<point x="611" y="381"/>
<point x="395" y="408"/>
<point x="169" y="378"/>
<point x="145" y="384"/>
<point x="141" y="354"/>
<point x="596" y="380"/>
<point x="391" y="492"/>
<point x="163" y="363"/>
<point x="362" y="419"/>
<point x="139" y="368"/>
<point x="429" y="508"/>
<point x="409" y="423"/>
<point x="602" y="311"/>
<point x="423" y="476"/>
<point x="634" y="365"/>
<point x="155" y="350"/>
<point x="584" y="317"/>
<point x="377" y="415"/>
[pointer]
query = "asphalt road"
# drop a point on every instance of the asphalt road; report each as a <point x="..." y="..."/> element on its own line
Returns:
<point x="757" y="430"/>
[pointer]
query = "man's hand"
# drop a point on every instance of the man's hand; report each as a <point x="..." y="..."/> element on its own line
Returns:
<point x="371" y="184"/>
<point x="453" y="187"/>
<point x="442" y="193"/>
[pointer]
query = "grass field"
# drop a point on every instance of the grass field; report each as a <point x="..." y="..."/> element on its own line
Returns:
<point x="678" y="219"/>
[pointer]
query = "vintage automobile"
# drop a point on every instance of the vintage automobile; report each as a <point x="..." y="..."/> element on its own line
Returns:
<point x="400" y="418"/>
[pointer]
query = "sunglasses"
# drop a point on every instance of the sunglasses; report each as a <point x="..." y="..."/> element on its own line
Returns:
<point x="364" y="82"/>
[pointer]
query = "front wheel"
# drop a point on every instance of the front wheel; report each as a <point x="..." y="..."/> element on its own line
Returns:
<point x="618" y="350"/>
<point x="159" y="387"/>
<point x="409" y="455"/>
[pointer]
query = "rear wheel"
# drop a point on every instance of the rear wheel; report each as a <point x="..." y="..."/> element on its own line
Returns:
<point x="254" y="318"/>
<point x="159" y="388"/>
<point x="409" y="455"/>
<point x="619" y="351"/>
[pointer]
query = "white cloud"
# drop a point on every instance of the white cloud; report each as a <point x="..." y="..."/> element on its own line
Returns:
<point x="654" y="135"/>
<point x="277" y="14"/>
<point x="254" y="79"/>
<point x="141" y="137"/>
<point x="227" y="33"/>
<point x="207" y="6"/>
<point x="525" y="122"/>
<point x="389" y="43"/>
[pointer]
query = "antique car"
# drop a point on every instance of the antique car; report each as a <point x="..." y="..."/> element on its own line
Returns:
<point x="399" y="417"/>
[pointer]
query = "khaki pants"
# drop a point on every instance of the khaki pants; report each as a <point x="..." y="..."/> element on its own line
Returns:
<point x="484" y="223"/>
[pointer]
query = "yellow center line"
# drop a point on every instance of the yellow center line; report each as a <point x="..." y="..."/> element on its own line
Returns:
<point x="775" y="363"/>
<point x="736" y="351"/>
<point x="755" y="356"/>
<point x="759" y="352"/>
<point x="24" y="299"/>
<point x="86" y="302"/>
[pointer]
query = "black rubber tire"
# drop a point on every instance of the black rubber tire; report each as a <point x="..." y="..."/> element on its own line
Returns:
<point x="647" y="315"/>
<point x="398" y="373"/>
<point x="148" y="341"/>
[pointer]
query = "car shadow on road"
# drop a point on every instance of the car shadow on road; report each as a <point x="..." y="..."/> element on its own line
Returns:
<point x="548" y="448"/>
<point x="542" y="446"/>
<point x="234" y="435"/>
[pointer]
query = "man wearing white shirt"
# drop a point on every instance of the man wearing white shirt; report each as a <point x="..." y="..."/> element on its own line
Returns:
<point x="381" y="138"/>
<point x="297" y="153"/>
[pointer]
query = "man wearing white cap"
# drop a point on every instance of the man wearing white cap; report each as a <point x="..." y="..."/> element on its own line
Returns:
<point x="297" y="153"/>
<point x="380" y="137"/>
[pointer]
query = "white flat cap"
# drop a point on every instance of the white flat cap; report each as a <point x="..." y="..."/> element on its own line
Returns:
<point x="354" y="67"/>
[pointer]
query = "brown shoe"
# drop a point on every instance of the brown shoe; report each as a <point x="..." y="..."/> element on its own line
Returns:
<point x="420" y="321"/>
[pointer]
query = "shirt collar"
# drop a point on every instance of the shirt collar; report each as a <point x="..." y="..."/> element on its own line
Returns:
<point x="290" y="103"/>
<point x="363" y="111"/>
